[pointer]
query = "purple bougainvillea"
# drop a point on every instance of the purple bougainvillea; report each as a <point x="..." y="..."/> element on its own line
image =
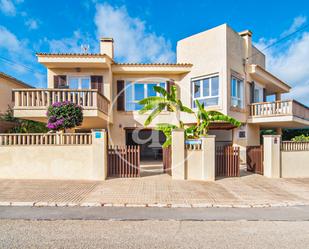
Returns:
<point x="63" y="115"/>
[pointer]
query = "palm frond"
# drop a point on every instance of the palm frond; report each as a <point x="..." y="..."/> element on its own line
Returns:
<point x="151" y="100"/>
<point x="148" y="107"/>
<point x="154" y="113"/>
<point x="160" y="90"/>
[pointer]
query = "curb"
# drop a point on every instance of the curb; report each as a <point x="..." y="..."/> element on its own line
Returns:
<point x="157" y="205"/>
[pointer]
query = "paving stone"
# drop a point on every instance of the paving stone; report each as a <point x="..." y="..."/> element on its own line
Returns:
<point x="158" y="191"/>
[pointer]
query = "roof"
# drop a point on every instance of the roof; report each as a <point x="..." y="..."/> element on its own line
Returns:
<point x="115" y="63"/>
<point x="271" y="75"/>
<point x="72" y="54"/>
<point x="9" y="77"/>
<point x="154" y="64"/>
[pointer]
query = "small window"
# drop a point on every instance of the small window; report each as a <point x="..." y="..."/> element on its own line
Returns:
<point x="136" y="91"/>
<point x="237" y="86"/>
<point x="206" y="91"/>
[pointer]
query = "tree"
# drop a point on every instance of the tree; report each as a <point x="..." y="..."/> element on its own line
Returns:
<point x="170" y="102"/>
<point x="64" y="115"/>
<point x="166" y="101"/>
<point x="204" y="119"/>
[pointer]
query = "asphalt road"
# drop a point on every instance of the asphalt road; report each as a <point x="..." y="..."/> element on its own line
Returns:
<point x="297" y="213"/>
<point x="153" y="234"/>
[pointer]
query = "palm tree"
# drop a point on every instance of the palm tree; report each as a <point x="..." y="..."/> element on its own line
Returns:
<point x="204" y="119"/>
<point x="165" y="101"/>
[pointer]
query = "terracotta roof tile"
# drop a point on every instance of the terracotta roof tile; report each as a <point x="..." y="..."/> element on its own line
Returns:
<point x="72" y="54"/>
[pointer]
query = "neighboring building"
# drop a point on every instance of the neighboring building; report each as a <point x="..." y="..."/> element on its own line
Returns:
<point x="219" y="67"/>
<point x="7" y="84"/>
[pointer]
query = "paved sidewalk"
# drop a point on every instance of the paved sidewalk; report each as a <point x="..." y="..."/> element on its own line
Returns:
<point x="157" y="191"/>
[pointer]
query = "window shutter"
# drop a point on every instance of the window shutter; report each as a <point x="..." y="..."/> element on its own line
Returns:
<point x="120" y="95"/>
<point x="56" y="81"/>
<point x="60" y="81"/>
<point x="252" y="92"/>
<point x="97" y="83"/>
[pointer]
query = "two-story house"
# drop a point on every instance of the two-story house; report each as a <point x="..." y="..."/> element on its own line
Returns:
<point x="7" y="84"/>
<point x="219" y="67"/>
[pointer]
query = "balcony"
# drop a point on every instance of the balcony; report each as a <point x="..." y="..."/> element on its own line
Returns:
<point x="32" y="104"/>
<point x="279" y="114"/>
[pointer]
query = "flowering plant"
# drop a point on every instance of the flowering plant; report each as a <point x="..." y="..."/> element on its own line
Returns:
<point x="63" y="115"/>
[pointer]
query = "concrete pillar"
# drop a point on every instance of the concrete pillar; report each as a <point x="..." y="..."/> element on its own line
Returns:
<point x="272" y="157"/>
<point x="209" y="157"/>
<point x="99" y="154"/>
<point x="178" y="154"/>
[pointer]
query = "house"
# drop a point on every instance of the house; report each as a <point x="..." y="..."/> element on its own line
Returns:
<point x="220" y="67"/>
<point x="7" y="84"/>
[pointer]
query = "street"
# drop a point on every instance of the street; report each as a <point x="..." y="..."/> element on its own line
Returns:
<point x="153" y="234"/>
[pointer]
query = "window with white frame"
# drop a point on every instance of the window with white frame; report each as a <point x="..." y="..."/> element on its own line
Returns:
<point x="79" y="82"/>
<point x="237" y="92"/>
<point x="136" y="91"/>
<point x="206" y="91"/>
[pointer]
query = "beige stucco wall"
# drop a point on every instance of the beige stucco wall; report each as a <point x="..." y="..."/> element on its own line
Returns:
<point x="6" y="87"/>
<point x="194" y="164"/>
<point x="207" y="52"/>
<point x="258" y="57"/>
<point x="73" y="162"/>
<point x="294" y="164"/>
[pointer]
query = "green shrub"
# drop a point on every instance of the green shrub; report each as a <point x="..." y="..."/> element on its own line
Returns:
<point x="64" y="115"/>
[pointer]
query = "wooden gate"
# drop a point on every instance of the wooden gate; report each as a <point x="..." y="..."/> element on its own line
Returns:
<point x="227" y="161"/>
<point x="123" y="161"/>
<point x="167" y="159"/>
<point x="255" y="159"/>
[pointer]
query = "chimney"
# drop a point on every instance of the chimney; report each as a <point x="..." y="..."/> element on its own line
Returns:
<point x="247" y="35"/>
<point x="107" y="47"/>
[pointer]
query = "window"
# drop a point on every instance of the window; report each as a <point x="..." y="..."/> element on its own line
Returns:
<point x="258" y="93"/>
<point x="136" y="91"/>
<point x="79" y="82"/>
<point x="237" y="86"/>
<point x="206" y="91"/>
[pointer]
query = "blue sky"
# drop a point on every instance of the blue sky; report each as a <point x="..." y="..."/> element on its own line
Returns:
<point x="147" y="31"/>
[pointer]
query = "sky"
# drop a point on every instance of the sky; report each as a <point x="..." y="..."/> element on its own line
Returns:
<point x="148" y="31"/>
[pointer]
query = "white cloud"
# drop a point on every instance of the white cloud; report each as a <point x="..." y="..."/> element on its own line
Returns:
<point x="133" y="41"/>
<point x="7" y="7"/>
<point x="18" y="58"/>
<point x="9" y="41"/>
<point x="297" y="23"/>
<point x="289" y="61"/>
<point x="32" y="24"/>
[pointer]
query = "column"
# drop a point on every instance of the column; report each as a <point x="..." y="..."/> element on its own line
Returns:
<point x="272" y="158"/>
<point x="209" y="157"/>
<point x="99" y="154"/>
<point x="178" y="154"/>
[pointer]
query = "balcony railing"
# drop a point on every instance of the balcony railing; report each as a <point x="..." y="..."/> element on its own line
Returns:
<point x="42" y="98"/>
<point x="279" y="108"/>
